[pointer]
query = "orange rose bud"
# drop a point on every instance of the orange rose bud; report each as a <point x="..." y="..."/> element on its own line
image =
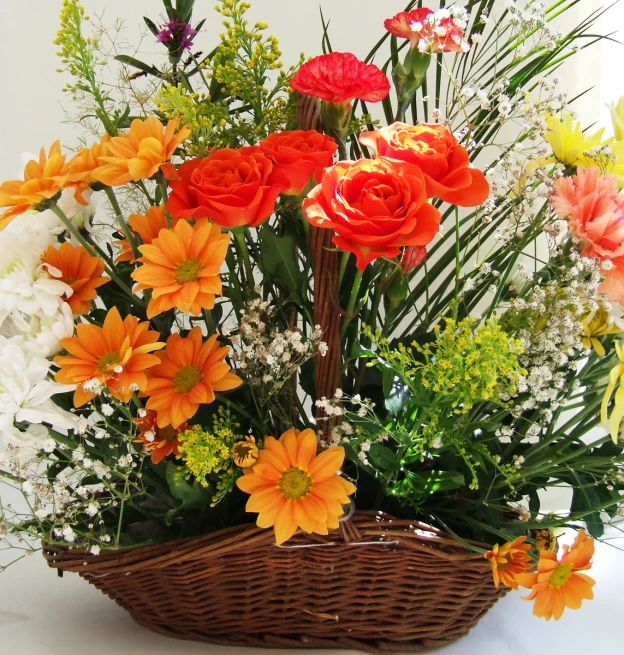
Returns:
<point x="233" y="188"/>
<point x="375" y="207"/>
<point x="301" y="155"/>
<point x="444" y="162"/>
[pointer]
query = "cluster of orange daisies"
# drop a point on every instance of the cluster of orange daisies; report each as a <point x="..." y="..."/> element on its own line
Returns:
<point x="557" y="583"/>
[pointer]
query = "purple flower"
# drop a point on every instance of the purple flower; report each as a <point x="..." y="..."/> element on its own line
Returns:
<point x="176" y="35"/>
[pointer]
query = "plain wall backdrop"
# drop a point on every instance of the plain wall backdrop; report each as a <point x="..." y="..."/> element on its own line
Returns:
<point x="31" y="113"/>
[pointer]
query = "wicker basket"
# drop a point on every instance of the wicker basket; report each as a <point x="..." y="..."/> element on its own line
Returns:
<point x="377" y="585"/>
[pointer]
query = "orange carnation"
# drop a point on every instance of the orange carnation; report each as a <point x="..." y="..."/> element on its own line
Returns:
<point x="508" y="561"/>
<point x="116" y="355"/>
<point x="189" y="373"/>
<point x="292" y="487"/>
<point x="231" y="187"/>
<point x="79" y="270"/>
<point x="444" y="162"/>
<point x="140" y="153"/>
<point x="147" y="226"/>
<point x="375" y="206"/>
<point x="159" y="442"/>
<point x="182" y="266"/>
<point x="43" y="179"/>
<point x="558" y="583"/>
<point x="301" y="155"/>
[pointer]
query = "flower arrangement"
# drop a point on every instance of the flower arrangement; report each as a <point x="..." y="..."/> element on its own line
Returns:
<point x="286" y="307"/>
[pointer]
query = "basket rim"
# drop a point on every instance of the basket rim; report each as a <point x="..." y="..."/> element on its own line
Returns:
<point x="364" y="528"/>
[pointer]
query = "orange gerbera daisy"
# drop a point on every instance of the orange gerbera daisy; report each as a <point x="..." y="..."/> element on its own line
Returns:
<point x="558" y="583"/>
<point x="189" y="373"/>
<point x="43" y="179"/>
<point x="160" y="442"/>
<point x="140" y="153"/>
<point x="116" y="355"/>
<point x="84" y="162"/>
<point x="147" y="226"/>
<point x="78" y="269"/>
<point x="508" y="561"/>
<point x="182" y="266"/>
<point x="292" y="487"/>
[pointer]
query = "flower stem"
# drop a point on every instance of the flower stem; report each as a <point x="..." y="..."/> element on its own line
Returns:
<point x="162" y="184"/>
<point x="344" y="260"/>
<point x="239" y="235"/>
<point x="112" y="198"/>
<point x="352" y="300"/>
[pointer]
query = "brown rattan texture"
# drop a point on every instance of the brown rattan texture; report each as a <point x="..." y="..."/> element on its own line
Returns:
<point x="377" y="585"/>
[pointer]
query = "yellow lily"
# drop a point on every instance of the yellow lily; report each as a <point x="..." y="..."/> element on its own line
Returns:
<point x="616" y="375"/>
<point x="617" y="118"/>
<point x="567" y="139"/>
<point x="598" y="324"/>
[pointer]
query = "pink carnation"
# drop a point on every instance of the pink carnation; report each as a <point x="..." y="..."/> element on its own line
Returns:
<point x="595" y="209"/>
<point x="427" y="31"/>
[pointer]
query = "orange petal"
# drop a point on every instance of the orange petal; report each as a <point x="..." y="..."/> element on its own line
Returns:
<point x="327" y="464"/>
<point x="285" y="524"/>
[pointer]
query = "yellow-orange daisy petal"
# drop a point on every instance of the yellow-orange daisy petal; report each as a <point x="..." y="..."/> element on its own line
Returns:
<point x="43" y="179"/>
<point x="181" y="273"/>
<point x="140" y="153"/>
<point x="183" y="378"/>
<point x="558" y="583"/>
<point x="106" y="354"/>
<point x="291" y="487"/>
<point x="79" y="270"/>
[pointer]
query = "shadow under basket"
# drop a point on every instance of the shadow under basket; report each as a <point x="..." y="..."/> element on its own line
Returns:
<point x="378" y="584"/>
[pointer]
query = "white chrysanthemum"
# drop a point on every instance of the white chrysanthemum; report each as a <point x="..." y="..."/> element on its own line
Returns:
<point x="45" y="331"/>
<point x="25" y="284"/>
<point x="26" y="392"/>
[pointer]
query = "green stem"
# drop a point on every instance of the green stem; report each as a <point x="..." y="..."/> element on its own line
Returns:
<point x="239" y="235"/>
<point x="162" y="183"/>
<point x="352" y="300"/>
<point x="344" y="260"/>
<point x="125" y="228"/>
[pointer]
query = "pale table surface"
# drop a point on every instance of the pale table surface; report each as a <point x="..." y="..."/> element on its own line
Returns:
<point x="41" y="614"/>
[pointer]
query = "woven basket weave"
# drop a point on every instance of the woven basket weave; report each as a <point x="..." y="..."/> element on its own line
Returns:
<point x="377" y="585"/>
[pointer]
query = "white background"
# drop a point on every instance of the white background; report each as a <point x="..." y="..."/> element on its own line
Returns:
<point x="42" y="615"/>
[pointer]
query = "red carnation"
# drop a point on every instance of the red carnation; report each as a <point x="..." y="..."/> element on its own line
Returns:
<point x="341" y="77"/>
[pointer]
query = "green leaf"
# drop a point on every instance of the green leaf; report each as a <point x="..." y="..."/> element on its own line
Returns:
<point x="428" y="483"/>
<point x="136" y="63"/>
<point x="193" y="496"/>
<point x="384" y="458"/>
<point x="585" y="499"/>
<point x="151" y="26"/>
<point x="279" y="260"/>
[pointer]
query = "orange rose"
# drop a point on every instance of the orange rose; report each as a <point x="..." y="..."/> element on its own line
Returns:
<point x="231" y="187"/>
<point x="444" y="163"/>
<point x="300" y="155"/>
<point x="375" y="206"/>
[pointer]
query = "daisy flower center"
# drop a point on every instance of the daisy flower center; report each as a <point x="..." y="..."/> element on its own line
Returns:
<point x="106" y="361"/>
<point x="294" y="483"/>
<point x="186" y="378"/>
<point x="560" y="575"/>
<point x="187" y="271"/>
<point x="167" y="434"/>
